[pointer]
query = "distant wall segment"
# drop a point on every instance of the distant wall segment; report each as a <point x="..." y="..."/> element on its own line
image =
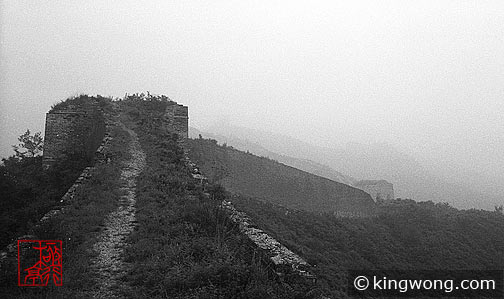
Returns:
<point x="378" y="189"/>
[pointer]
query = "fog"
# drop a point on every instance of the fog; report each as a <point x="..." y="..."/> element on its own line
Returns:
<point x="426" y="77"/>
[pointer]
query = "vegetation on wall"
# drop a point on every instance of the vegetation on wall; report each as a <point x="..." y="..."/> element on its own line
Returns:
<point x="83" y="101"/>
<point x="185" y="246"/>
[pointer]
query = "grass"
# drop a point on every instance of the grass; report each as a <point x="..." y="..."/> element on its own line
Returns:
<point x="184" y="245"/>
<point x="408" y="236"/>
<point x="82" y="101"/>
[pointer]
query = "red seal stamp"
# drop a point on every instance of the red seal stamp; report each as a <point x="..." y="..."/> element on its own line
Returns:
<point x="40" y="262"/>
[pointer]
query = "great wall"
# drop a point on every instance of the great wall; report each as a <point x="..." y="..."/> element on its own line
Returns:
<point x="84" y="129"/>
<point x="287" y="265"/>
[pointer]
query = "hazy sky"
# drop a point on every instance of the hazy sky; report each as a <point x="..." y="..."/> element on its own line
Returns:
<point x="425" y="76"/>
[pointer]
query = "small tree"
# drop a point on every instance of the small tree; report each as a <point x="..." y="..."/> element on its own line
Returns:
<point x="29" y="146"/>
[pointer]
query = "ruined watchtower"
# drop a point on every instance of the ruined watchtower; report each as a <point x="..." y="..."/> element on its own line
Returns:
<point x="73" y="127"/>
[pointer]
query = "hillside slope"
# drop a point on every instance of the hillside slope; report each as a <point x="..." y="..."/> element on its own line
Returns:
<point x="260" y="177"/>
<point x="257" y="149"/>
<point x="407" y="236"/>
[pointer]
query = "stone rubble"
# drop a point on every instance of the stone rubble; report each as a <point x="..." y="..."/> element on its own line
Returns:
<point x="284" y="260"/>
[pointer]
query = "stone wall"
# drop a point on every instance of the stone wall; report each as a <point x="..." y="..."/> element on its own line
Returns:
<point x="72" y="130"/>
<point x="379" y="190"/>
<point x="285" y="264"/>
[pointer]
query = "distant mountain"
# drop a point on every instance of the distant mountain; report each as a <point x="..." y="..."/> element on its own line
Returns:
<point x="247" y="174"/>
<point x="410" y="179"/>
<point x="375" y="161"/>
